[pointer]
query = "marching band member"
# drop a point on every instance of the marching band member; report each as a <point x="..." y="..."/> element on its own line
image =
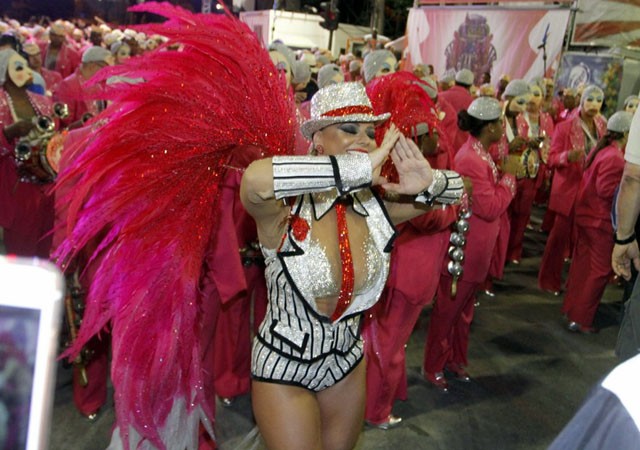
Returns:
<point x="27" y="211"/>
<point x="448" y="336"/>
<point x="572" y="141"/>
<point x="75" y="92"/>
<point x="591" y="262"/>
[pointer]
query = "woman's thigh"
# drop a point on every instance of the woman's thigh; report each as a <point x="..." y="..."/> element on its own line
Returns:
<point x="288" y="416"/>
<point x="342" y="410"/>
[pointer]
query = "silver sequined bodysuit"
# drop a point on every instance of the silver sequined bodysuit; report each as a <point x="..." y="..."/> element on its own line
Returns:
<point x="295" y="343"/>
<point x="324" y="283"/>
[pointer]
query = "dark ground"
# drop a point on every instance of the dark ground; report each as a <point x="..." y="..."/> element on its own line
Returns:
<point x="530" y="375"/>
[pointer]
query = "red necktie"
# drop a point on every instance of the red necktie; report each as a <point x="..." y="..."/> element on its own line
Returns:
<point x="346" y="287"/>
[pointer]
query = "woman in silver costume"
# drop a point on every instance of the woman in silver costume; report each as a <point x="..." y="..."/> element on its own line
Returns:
<point x="326" y="237"/>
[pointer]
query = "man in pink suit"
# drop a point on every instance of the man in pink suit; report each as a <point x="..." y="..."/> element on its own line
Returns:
<point x="446" y="114"/>
<point x="26" y="214"/>
<point x="74" y="91"/>
<point x="51" y="77"/>
<point x="516" y="95"/>
<point x="530" y="126"/>
<point x="58" y="54"/>
<point x="572" y="141"/>
<point x="459" y="97"/>
<point x="591" y="265"/>
<point x="448" y="335"/>
<point x="417" y="257"/>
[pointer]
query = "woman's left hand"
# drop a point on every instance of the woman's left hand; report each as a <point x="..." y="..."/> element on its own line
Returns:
<point x="414" y="171"/>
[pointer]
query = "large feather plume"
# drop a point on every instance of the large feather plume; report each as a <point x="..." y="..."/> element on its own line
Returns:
<point x="404" y="96"/>
<point x="144" y="194"/>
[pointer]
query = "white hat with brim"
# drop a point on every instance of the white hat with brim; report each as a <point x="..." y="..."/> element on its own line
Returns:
<point x="340" y="103"/>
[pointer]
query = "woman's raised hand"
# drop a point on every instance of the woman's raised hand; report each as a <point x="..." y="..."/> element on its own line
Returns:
<point x="414" y="171"/>
<point x="380" y="154"/>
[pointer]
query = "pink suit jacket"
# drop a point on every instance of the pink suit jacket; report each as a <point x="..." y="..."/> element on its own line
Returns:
<point x="73" y="92"/>
<point x="599" y="182"/>
<point x="68" y="59"/>
<point x="492" y="195"/>
<point x="52" y="78"/>
<point x="459" y="98"/>
<point x="568" y="136"/>
<point x="424" y="239"/>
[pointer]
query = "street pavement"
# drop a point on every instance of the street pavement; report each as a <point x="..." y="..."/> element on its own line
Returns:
<point x="529" y="376"/>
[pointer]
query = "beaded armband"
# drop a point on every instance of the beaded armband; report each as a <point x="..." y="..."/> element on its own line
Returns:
<point x="447" y="188"/>
<point x="295" y="175"/>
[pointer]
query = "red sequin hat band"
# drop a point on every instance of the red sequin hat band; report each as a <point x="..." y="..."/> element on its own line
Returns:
<point x="349" y="110"/>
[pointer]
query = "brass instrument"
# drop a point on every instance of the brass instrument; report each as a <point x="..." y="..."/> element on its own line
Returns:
<point x="86" y="117"/>
<point x="61" y="110"/>
<point x="74" y="305"/>
<point x="34" y="161"/>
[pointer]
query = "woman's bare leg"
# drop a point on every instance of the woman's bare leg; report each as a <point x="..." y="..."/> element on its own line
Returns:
<point x="288" y="416"/>
<point x="342" y="410"/>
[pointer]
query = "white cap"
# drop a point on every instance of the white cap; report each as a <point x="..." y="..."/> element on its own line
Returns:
<point x="620" y="122"/>
<point x="485" y="108"/>
<point x="516" y="88"/>
<point x="309" y="59"/>
<point x="430" y="86"/>
<point x="373" y="62"/>
<point x="465" y="76"/>
<point x="327" y="75"/>
<point x="300" y="72"/>
<point x="96" y="54"/>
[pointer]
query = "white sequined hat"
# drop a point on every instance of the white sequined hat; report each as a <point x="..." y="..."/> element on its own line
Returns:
<point x="485" y="108"/>
<point x="516" y="88"/>
<point x="465" y="76"/>
<point x="620" y="122"/>
<point x="340" y="103"/>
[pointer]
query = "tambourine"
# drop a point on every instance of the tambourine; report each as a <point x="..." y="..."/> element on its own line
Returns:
<point x="530" y="161"/>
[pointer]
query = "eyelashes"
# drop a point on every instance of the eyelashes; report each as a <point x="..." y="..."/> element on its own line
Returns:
<point x="352" y="128"/>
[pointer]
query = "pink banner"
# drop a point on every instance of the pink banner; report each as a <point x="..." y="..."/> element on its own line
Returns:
<point x="486" y="40"/>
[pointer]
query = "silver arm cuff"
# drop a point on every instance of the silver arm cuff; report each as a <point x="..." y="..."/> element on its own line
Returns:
<point x="295" y="175"/>
<point x="446" y="188"/>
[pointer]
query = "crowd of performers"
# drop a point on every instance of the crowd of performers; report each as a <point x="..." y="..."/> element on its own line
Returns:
<point x="235" y="220"/>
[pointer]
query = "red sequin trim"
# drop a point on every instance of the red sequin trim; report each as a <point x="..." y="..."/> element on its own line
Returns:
<point x="348" y="110"/>
<point x="348" y="276"/>
<point x="299" y="227"/>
